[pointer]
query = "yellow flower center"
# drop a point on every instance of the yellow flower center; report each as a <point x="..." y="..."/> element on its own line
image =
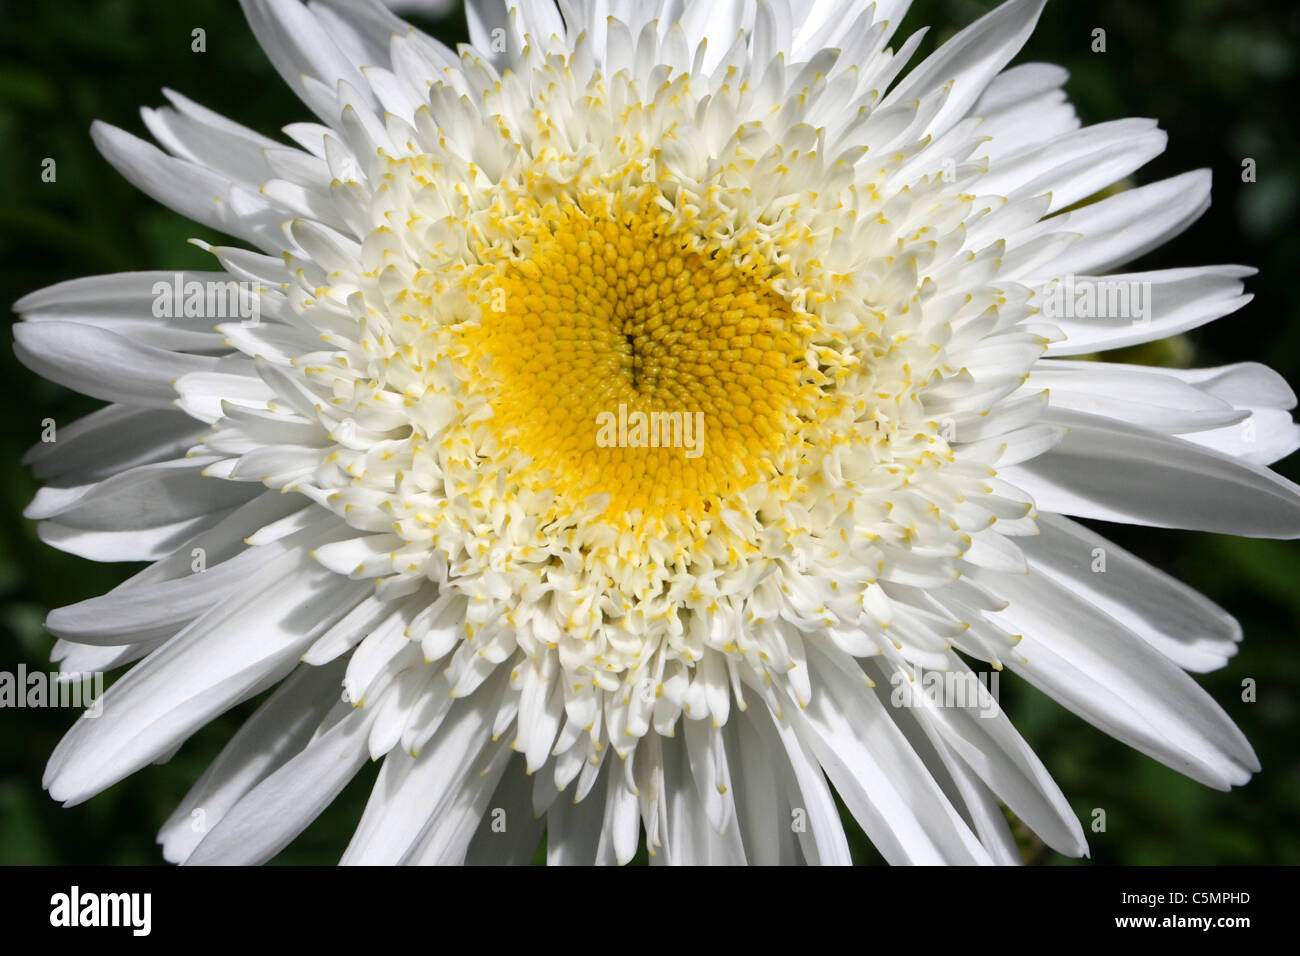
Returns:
<point x="625" y="355"/>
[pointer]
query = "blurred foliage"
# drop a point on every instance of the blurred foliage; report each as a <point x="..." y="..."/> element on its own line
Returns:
<point x="1218" y="74"/>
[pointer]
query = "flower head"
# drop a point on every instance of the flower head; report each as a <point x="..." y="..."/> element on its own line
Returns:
<point x="637" y="401"/>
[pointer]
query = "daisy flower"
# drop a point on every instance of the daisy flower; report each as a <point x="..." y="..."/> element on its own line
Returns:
<point x="615" y="424"/>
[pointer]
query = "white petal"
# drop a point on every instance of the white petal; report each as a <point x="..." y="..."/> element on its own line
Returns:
<point x="1175" y="619"/>
<point x="297" y="43"/>
<point x="110" y="440"/>
<point x="412" y="791"/>
<point x="821" y="835"/>
<point x="103" y="364"/>
<point x="1074" y="166"/>
<point x="1115" y="472"/>
<point x="969" y="61"/>
<point x="275" y="733"/>
<point x="1171" y="300"/>
<point x="880" y="778"/>
<point x="573" y="829"/>
<point x="1121" y="228"/>
<point x="266" y="819"/>
<point x="1146" y="397"/>
<point x="1090" y="663"/>
<point x="193" y="191"/>
<point x="239" y="647"/>
<point x="515" y="842"/>
<point x="147" y="496"/>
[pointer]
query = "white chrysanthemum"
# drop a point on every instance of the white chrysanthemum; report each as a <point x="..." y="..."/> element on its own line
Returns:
<point x="740" y="213"/>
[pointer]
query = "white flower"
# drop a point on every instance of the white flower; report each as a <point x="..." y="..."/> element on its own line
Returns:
<point x="389" y="481"/>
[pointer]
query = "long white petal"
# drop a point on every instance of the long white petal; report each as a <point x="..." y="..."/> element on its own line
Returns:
<point x="1105" y="469"/>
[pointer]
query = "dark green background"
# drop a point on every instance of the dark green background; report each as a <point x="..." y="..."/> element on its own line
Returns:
<point x="1218" y="74"/>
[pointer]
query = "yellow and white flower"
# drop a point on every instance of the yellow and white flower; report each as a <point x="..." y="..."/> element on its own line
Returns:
<point x="742" y="213"/>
